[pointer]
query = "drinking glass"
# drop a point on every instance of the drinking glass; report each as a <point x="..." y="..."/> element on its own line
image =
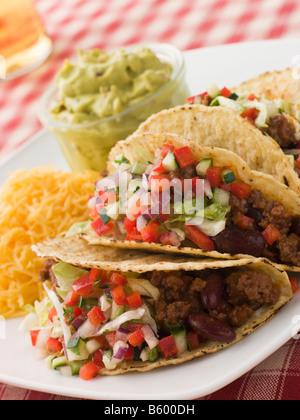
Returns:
<point x="24" y="44"/>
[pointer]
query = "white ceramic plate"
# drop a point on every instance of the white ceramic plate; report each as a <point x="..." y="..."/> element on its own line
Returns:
<point x="225" y="65"/>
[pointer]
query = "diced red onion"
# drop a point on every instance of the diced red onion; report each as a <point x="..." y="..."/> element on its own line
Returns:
<point x="145" y="181"/>
<point x="65" y="350"/>
<point x="119" y="350"/>
<point x="130" y="216"/>
<point x="43" y="337"/>
<point x="104" y="303"/>
<point x="175" y="239"/>
<point x="122" y="335"/>
<point x="150" y="337"/>
<point x="207" y="189"/>
<point x="85" y="330"/>
<point x="78" y="322"/>
<point x="141" y="223"/>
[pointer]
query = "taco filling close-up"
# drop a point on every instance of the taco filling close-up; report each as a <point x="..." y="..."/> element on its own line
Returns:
<point x="159" y="313"/>
<point x="274" y="117"/>
<point x="180" y="201"/>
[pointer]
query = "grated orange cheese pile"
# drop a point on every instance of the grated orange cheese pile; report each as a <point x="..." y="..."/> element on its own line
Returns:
<point x="35" y="204"/>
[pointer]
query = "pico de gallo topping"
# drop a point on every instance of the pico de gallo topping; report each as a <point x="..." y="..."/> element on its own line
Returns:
<point x="174" y="200"/>
<point x="268" y="115"/>
<point x="170" y="200"/>
<point x="93" y="320"/>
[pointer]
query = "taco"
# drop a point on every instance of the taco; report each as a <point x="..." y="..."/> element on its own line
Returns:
<point x="263" y="132"/>
<point x="110" y="311"/>
<point x="266" y="110"/>
<point x="182" y="197"/>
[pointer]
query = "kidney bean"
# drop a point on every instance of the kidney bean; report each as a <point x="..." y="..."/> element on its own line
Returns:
<point x="211" y="295"/>
<point x="234" y="241"/>
<point x="255" y="214"/>
<point x="211" y="328"/>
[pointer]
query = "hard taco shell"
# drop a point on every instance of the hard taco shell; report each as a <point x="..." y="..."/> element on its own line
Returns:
<point x="77" y="252"/>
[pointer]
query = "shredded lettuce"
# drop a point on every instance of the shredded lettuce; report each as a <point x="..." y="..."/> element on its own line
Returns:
<point x="144" y="287"/>
<point x="42" y="310"/>
<point x="116" y="323"/>
<point x="77" y="228"/>
<point x="214" y="211"/>
<point x="66" y="274"/>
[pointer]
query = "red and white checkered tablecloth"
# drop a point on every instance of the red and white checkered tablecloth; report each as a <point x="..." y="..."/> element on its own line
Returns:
<point x="187" y="24"/>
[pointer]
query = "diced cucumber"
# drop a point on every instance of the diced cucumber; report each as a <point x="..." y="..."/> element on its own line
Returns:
<point x="76" y="349"/>
<point x="104" y="217"/>
<point x="49" y="360"/>
<point x="109" y="363"/>
<point x="212" y="228"/>
<point x="121" y="159"/>
<point x="234" y="97"/>
<point x="116" y="310"/>
<point x="169" y="163"/>
<point x="203" y="166"/>
<point x="76" y="366"/>
<point x="228" y="103"/>
<point x="92" y="346"/>
<point x="139" y="168"/>
<point x="134" y="185"/>
<point x="228" y="177"/>
<point x="59" y="362"/>
<point x="283" y="105"/>
<point x="291" y="159"/>
<point x="181" y="341"/>
<point x="221" y="197"/>
<point x="213" y="90"/>
<point x="113" y="211"/>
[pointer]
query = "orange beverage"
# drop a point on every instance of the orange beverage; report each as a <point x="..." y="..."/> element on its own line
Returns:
<point x="23" y="41"/>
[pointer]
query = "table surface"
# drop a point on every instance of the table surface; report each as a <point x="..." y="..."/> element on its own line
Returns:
<point x="188" y="24"/>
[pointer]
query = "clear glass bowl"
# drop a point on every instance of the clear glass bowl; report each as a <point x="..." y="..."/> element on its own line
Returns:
<point x="87" y="145"/>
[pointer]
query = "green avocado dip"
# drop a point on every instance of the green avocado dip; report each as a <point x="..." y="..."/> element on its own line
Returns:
<point x="103" y="84"/>
<point x="105" y="96"/>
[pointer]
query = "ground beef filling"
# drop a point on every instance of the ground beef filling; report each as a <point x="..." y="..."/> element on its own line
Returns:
<point x="46" y="273"/>
<point x="242" y="292"/>
<point x="236" y="240"/>
<point x="282" y="131"/>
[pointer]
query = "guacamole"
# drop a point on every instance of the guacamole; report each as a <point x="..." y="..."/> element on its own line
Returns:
<point x="105" y="96"/>
<point x="103" y="84"/>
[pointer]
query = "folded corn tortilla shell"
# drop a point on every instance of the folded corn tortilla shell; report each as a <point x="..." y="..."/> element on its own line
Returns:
<point x="134" y="150"/>
<point x="77" y="252"/>
<point x="283" y="84"/>
<point x="224" y="128"/>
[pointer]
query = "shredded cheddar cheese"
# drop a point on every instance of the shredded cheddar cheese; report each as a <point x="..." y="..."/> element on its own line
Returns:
<point x="34" y="205"/>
